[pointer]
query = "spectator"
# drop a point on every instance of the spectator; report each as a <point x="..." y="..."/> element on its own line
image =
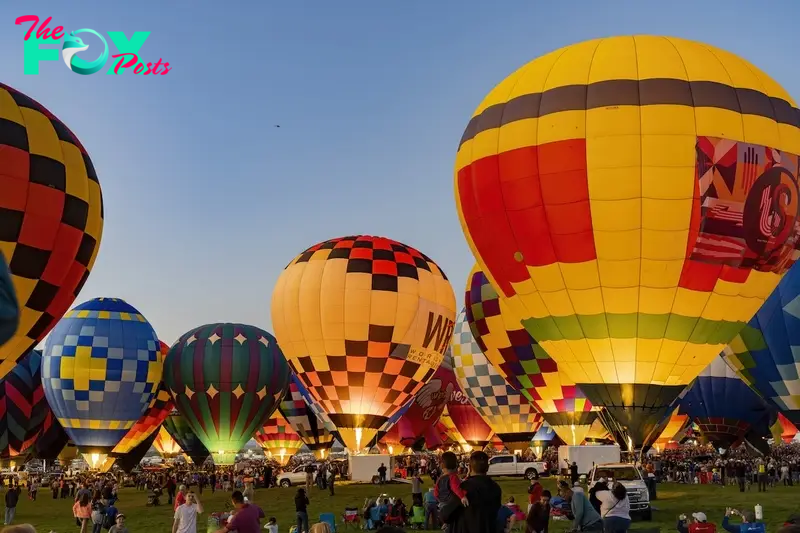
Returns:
<point x="119" y="527"/>
<point x="585" y="516"/>
<point x="382" y="473"/>
<point x="185" y="518"/>
<point x="700" y="524"/>
<point x="483" y="496"/>
<point x="247" y="518"/>
<point x="748" y="525"/>
<point x="301" y="510"/>
<point x="431" y="510"/>
<point x="615" y="509"/>
<point x="538" y="519"/>
<point x="12" y="499"/>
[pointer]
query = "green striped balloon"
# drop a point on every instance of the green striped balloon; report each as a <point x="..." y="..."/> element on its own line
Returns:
<point x="226" y="380"/>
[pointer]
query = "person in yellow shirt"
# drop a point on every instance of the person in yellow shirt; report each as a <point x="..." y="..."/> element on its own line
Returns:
<point x="762" y="476"/>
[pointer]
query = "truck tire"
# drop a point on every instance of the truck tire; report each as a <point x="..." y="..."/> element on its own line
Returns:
<point x="285" y="483"/>
<point x="647" y="514"/>
<point x="531" y="474"/>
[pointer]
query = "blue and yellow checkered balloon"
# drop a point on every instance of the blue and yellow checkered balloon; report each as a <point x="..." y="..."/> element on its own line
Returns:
<point x="101" y="367"/>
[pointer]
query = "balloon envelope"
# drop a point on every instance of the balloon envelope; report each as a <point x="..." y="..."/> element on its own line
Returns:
<point x="165" y="445"/>
<point x="9" y="308"/>
<point x="101" y="367"/>
<point x="510" y="415"/>
<point x="278" y="439"/>
<point x="364" y="322"/>
<point x="51" y="215"/>
<point x="307" y="418"/>
<point x="180" y="430"/>
<point x="226" y="380"/>
<point x="723" y="406"/>
<point x="766" y="354"/>
<point x="523" y="363"/>
<point x="606" y="191"/>
<point x="23" y="408"/>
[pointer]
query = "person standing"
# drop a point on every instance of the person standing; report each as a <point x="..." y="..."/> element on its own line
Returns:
<point x="741" y="472"/>
<point x="301" y="510"/>
<point x="762" y="476"/>
<point x="483" y="495"/>
<point x="212" y="480"/>
<point x="246" y="519"/>
<point x="12" y="499"/>
<point x="332" y="471"/>
<point x="171" y="489"/>
<point x="382" y="473"/>
<point x="185" y="518"/>
<point x="416" y="490"/>
<point x="615" y="509"/>
<point x="309" y="478"/>
<point x="431" y="510"/>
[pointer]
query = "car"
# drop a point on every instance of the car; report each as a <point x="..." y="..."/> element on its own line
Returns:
<point x="631" y="478"/>
<point x="513" y="465"/>
<point x="296" y="476"/>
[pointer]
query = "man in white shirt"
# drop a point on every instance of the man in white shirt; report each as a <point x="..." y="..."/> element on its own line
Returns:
<point x="185" y="520"/>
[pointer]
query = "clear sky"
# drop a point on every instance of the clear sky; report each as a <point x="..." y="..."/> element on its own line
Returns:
<point x="206" y="201"/>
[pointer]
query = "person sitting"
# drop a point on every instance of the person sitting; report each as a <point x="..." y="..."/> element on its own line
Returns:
<point x="699" y="524"/>
<point x="518" y="515"/>
<point x="748" y="525"/>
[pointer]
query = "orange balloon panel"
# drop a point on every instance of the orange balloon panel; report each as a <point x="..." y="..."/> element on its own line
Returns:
<point x="364" y="322"/>
<point x="165" y="445"/>
<point x="676" y="423"/>
<point x="278" y="438"/>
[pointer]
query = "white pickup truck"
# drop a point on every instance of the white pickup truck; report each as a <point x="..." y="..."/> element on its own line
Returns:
<point x="513" y="465"/>
<point x="631" y="478"/>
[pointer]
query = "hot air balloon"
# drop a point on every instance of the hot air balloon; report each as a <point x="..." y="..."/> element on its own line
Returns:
<point x="179" y="429"/>
<point x="129" y="460"/>
<point x="51" y="215"/>
<point x="450" y="428"/>
<point x="226" y="380"/>
<point x="673" y="426"/>
<point x="364" y="322"/>
<point x="23" y="408"/>
<point x="158" y="410"/>
<point x="766" y="352"/>
<point x="723" y="406"/>
<point x="635" y="200"/>
<point x="165" y="445"/>
<point x="51" y="440"/>
<point x="9" y="308"/>
<point x="523" y="363"/>
<point x="307" y="419"/>
<point x="783" y="430"/>
<point x="510" y="415"/>
<point x="278" y="439"/>
<point x="100" y="370"/>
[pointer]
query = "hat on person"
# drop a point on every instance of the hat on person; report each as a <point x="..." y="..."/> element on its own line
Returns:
<point x="700" y="516"/>
<point x="119" y="515"/>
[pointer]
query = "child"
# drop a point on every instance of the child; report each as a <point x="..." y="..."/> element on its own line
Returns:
<point x="449" y="485"/>
<point x="272" y="525"/>
<point x="119" y="527"/>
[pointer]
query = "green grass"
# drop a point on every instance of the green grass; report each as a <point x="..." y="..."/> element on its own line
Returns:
<point x="47" y="514"/>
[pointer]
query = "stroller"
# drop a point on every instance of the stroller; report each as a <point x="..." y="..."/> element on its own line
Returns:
<point x="153" y="498"/>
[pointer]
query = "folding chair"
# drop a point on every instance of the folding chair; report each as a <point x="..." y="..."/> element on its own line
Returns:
<point x="330" y="519"/>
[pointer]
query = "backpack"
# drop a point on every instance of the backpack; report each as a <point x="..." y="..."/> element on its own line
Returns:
<point x="110" y="517"/>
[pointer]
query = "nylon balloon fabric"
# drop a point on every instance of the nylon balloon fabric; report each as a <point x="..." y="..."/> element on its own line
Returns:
<point x="51" y="440"/>
<point x="278" y="439"/>
<point x="468" y="422"/>
<point x="51" y="217"/>
<point x="9" y="308"/>
<point x="364" y="322"/>
<point x="510" y="415"/>
<point x="723" y="406"/>
<point x="766" y="354"/>
<point x="307" y="418"/>
<point x="179" y="429"/>
<point x="23" y="408"/>
<point x="101" y="368"/>
<point x="226" y="380"/>
<point x="165" y="445"/>
<point x="523" y="363"/>
<point x="160" y="407"/>
<point x="607" y="191"/>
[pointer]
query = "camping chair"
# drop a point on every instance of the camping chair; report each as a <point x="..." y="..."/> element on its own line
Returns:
<point x="417" y="519"/>
<point x="330" y="519"/>
<point x="394" y="518"/>
<point x="351" y="518"/>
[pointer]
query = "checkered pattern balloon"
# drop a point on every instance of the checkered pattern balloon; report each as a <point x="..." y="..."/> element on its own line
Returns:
<point x="165" y="445"/>
<point x="364" y="322"/>
<point x="179" y="429"/>
<point x="9" y="308"/>
<point x="523" y="363"/>
<point x="469" y="423"/>
<point x="278" y="439"/>
<point x="23" y="408"/>
<point x="226" y="380"/>
<point x="766" y="354"/>
<point x="101" y="368"/>
<point x="51" y="217"/>
<point x="158" y="410"/>
<point x="307" y="418"/>
<point x="512" y="417"/>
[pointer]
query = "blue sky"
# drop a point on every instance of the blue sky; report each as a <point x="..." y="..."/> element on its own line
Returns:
<point x="206" y="201"/>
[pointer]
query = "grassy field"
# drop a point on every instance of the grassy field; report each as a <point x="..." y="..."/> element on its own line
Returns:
<point x="48" y="515"/>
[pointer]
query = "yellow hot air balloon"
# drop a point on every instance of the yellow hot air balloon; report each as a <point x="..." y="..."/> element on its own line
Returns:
<point x="364" y="322"/>
<point x="635" y="199"/>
